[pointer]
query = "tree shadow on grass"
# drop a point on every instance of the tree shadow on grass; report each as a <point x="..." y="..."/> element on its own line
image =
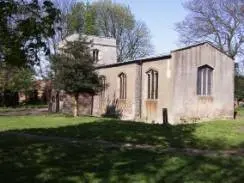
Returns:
<point x="30" y="160"/>
<point x="116" y="131"/>
<point x="122" y="132"/>
<point x="24" y="160"/>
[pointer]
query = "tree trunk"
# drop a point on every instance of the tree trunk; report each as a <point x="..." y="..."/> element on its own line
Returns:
<point x="75" y="109"/>
<point x="57" y="102"/>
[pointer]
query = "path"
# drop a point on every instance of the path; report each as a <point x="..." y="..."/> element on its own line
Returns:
<point x="107" y="144"/>
<point x="25" y="112"/>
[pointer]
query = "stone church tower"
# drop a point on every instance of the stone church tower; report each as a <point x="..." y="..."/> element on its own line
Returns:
<point x="104" y="52"/>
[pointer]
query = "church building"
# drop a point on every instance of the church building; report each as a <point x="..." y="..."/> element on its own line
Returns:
<point x="190" y="84"/>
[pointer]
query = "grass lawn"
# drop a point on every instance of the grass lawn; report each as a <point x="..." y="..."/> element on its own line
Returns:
<point x="25" y="160"/>
<point x="208" y="135"/>
<point x="28" y="161"/>
<point x="23" y="123"/>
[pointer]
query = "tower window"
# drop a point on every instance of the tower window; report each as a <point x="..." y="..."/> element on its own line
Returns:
<point x="95" y="54"/>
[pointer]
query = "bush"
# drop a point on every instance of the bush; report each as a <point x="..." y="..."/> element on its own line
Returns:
<point x="112" y="112"/>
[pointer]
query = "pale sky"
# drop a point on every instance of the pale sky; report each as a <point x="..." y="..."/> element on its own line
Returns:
<point x="160" y="17"/>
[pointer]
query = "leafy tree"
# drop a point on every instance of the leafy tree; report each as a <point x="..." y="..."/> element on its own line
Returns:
<point x="105" y="18"/>
<point x="75" y="18"/>
<point x="90" y="27"/>
<point x="82" y="19"/>
<point x="219" y="21"/>
<point x="239" y="83"/>
<point x="65" y="8"/>
<point x="74" y="71"/>
<point x="117" y="21"/>
<point x="25" y="27"/>
<point x="239" y="87"/>
<point x="14" y="80"/>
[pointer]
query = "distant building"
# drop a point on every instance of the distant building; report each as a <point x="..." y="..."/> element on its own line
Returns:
<point x="189" y="84"/>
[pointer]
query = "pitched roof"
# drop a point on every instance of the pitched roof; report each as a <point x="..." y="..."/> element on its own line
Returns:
<point x="199" y="44"/>
<point x="161" y="57"/>
<point x="139" y="60"/>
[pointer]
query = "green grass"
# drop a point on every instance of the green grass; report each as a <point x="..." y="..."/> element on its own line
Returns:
<point x="29" y="160"/>
<point x="42" y="122"/>
<point x="23" y="160"/>
<point x="208" y="135"/>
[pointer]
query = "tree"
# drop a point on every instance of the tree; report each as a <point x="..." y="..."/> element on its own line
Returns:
<point x="74" y="71"/>
<point x="219" y="21"/>
<point x="239" y="87"/>
<point x="117" y="21"/>
<point x="65" y="8"/>
<point x="90" y="27"/>
<point x="61" y="30"/>
<point x="75" y="18"/>
<point x="82" y="19"/>
<point x="14" y="80"/>
<point x="25" y="27"/>
<point x="136" y="43"/>
<point x="105" y="18"/>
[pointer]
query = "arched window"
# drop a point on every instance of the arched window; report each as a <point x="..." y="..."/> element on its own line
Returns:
<point x="95" y="54"/>
<point x="204" y="80"/>
<point x="122" y="86"/>
<point x="152" y="84"/>
<point x="103" y="82"/>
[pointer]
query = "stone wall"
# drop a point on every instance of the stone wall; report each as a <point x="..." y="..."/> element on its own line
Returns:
<point x="63" y="102"/>
<point x="177" y="86"/>
<point x="126" y="107"/>
<point x="151" y="108"/>
<point x="186" y="104"/>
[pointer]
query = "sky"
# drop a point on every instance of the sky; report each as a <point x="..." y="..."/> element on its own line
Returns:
<point x="160" y="17"/>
